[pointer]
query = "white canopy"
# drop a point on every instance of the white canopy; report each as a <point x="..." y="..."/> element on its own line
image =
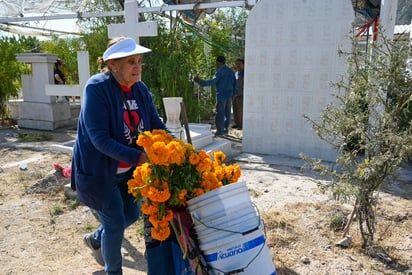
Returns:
<point x="31" y="17"/>
<point x="21" y="8"/>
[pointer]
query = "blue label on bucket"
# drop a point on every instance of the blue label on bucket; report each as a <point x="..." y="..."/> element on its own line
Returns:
<point x="233" y="251"/>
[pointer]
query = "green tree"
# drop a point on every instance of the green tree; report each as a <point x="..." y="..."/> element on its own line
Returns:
<point x="224" y="33"/>
<point x="169" y="70"/>
<point x="370" y="126"/>
<point x="10" y="69"/>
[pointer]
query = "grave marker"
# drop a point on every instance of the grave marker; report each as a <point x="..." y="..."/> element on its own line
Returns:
<point x="291" y="57"/>
<point x="131" y="27"/>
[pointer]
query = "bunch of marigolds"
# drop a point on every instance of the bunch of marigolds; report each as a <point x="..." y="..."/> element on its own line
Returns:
<point x="174" y="174"/>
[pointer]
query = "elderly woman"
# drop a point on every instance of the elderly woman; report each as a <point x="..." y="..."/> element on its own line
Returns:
<point x="116" y="107"/>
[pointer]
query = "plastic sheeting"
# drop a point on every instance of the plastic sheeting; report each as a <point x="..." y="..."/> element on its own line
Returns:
<point x="20" y="8"/>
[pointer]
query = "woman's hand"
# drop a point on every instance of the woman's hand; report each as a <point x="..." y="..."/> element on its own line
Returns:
<point x="142" y="158"/>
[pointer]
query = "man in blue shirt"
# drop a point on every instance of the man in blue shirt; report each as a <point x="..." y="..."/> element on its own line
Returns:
<point x="225" y="82"/>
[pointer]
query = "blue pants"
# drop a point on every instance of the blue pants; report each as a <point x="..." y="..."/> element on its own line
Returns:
<point x="122" y="212"/>
<point x="166" y="259"/>
<point x="223" y="110"/>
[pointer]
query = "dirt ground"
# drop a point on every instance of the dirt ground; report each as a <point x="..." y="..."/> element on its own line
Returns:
<point x="42" y="233"/>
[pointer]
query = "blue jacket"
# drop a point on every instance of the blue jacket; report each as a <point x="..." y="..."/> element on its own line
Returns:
<point x="225" y="82"/>
<point x="98" y="147"/>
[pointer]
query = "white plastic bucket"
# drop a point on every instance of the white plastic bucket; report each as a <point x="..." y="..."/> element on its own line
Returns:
<point x="229" y="197"/>
<point x="230" y="232"/>
<point x="225" y="227"/>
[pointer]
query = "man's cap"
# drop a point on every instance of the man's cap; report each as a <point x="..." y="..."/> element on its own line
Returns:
<point x="123" y="48"/>
<point x="221" y="59"/>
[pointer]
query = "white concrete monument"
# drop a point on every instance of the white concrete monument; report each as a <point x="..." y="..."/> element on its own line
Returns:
<point x="290" y="60"/>
<point x="38" y="110"/>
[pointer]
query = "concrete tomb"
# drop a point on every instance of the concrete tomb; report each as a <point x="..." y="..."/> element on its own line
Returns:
<point x="291" y="57"/>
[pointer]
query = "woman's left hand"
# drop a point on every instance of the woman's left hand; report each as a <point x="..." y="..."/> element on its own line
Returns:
<point x="142" y="158"/>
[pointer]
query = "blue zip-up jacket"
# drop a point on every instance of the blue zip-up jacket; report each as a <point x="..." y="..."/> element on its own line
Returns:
<point x="98" y="147"/>
<point x="225" y="82"/>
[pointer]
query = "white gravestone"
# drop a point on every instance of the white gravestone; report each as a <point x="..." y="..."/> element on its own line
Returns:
<point x="290" y="60"/>
<point x="38" y="110"/>
<point x="131" y="27"/>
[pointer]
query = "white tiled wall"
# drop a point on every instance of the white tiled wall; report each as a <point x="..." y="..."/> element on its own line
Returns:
<point x="290" y="60"/>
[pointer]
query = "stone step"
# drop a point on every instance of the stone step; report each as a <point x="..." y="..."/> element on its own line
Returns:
<point x="219" y="144"/>
<point x="203" y="139"/>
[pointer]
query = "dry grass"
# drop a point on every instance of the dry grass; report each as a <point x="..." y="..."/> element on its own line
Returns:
<point x="309" y="230"/>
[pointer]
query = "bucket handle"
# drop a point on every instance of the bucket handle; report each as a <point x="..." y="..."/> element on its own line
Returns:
<point x="231" y="231"/>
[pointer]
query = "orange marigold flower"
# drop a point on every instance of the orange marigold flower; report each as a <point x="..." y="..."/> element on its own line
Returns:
<point x="219" y="156"/>
<point x="189" y="147"/>
<point x="163" y="221"/>
<point x="198" y="191"/>
<point x="182" y="196"/>
<point x="160" y="233"/>
<point x="161" y="224"/>
<point x="133" y="187"/>
<point x="159" y="154"/>
<point x="157" y="195"/>
<point x="176" y="152"/>
<point x="168" y="216"/>
<point x="174" y="173"/>
<point x="150" y="208"/>
<point x="194" y="158"/>
<point x="155" y="182"/>
<point x="219" y="172"/>
<point x="144" y="139"/>
<point x="204" y="165"/>
<point x="236" y="173"/>
<point x="227" y="172"/>
<point x="210" y="181"/>
<point x="138" y="177"/>
<point x="145" y="171"/>
<point x="162" y="195"/>
<point x="232" y="173"/>
<point x="203" y="155"/>
<point x="161" y="135"/>
<point x="144" y="191"/>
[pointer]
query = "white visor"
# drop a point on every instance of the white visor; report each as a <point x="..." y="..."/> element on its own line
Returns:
<point x="123" y="48"/>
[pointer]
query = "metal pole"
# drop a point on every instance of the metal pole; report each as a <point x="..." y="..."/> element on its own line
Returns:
<point x="185" y="122"/>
